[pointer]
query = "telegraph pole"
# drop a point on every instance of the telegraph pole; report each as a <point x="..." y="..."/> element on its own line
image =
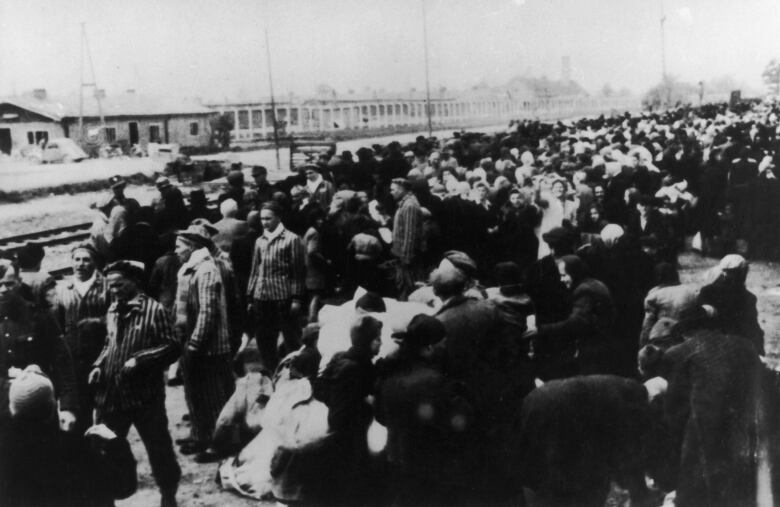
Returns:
<point x="427" y="78"/>
<point x="664" y="77"/>
<point x="93" y="84"/>
<point x="273" y="101"/>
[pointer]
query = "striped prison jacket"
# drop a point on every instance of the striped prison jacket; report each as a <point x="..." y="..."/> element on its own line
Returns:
<point x="278" y="267"/>
<point x="201" y="308"/>
<point x="138" y="329"/>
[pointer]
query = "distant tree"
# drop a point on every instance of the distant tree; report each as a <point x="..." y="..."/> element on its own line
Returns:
<point x="624" y="92"/>
<point x="670" y="92"/>
<point x="221" y="126"/>
<point x="771" y="76"/>
<point x="607" y="91"/>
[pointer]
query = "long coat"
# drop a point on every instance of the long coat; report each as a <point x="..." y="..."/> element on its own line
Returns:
<point x="714" y="406"/>
<point x="577" y="434"/>
<point x="483" y="351"/>
<point x="586" y="336"/>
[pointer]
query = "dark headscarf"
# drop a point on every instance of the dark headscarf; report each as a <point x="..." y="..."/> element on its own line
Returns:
<point x="577" y="270"/>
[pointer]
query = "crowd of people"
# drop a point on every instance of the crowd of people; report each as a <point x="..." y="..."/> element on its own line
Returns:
<point x="555" y="350"/>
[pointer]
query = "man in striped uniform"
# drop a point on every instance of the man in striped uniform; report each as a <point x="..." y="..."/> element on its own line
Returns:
<point x="276" y="286"/>
<point x="407" y="237"/>
<point x="80" y="308"/>
<point x="202" y="325"/>
<point x="128" y="372"/>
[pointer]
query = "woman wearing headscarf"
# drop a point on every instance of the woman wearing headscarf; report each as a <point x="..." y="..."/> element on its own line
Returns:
<point x="667" y="299"/>
<point x="734" y="305"/>
<point x="582" y="340"/>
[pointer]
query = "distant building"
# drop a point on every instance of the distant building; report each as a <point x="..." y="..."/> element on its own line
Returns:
<point x="128" y="119"/>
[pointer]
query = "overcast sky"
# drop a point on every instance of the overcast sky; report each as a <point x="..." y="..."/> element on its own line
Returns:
<point x="216" y="49"/>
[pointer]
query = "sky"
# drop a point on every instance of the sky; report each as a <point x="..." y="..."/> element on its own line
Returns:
<point x="216" y="50"/>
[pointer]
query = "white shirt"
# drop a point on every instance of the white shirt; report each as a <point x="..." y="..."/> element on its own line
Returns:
<point x="83" y="287"/>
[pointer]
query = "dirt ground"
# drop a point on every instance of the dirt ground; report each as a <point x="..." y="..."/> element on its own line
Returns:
<point x="200" y="489"/>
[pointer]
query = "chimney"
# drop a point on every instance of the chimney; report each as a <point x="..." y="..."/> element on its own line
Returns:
<point x="100" y="94"/>
<point x="39" y="93"/>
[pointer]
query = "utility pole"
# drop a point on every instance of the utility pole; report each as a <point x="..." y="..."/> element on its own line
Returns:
<point x="273" y="101"/>
<point x="93" y="84"/>
<point x="664" y="79"/>
<point x="427" y="78"/>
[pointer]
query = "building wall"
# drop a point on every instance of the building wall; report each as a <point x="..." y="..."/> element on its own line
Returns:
<point x="20" y="122"/>
<point x="19" y="131"/>
<point x="178" y="128"/>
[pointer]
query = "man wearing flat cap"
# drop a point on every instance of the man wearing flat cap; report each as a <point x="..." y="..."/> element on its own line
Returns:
<point x="263" y="190"/>
<point x="426" y="419"/>
<point x="202" y="326"/>
<point x="128" y="373"/>
<point x="482" y="350"/>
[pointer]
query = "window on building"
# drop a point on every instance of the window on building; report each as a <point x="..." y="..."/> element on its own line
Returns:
<point x="30" y="137"/>
<point x="243" y="120"/>
<point x="41" y="135"/>
<point x="154" y="133"/>
<point x="110" y="134"/>
<point x="194" y="128"/>
<point x="257" y="119"/>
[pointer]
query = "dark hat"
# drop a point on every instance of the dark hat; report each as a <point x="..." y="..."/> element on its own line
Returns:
<point x="646" y="200"/>
<point x="461" y="261"/>
<point x="558" y="237"/>
<point x="235" y="178"/>
<point x="130" y="269"/>
<point x="423" y="330"/>
<point x="117" y="182"/>
<point x="30" y="255"/>
<point x="311" y="167"/>
<point x="162" y="182"/>
<point x="371" y="302"/>
<point x="258" y="169"/>
<point x="198" y="235"/>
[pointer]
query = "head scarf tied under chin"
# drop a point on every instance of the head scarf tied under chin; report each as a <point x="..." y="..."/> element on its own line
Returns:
<point x="575" y="268"/>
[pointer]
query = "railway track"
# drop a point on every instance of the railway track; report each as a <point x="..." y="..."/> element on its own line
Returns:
<point x="67" y="235"/>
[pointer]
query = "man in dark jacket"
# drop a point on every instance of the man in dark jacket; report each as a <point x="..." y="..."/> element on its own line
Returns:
<point x="30" y="336"/>
<point x="581" y="343"/>
<point x="483" y="351"/>
<point x="578" y="434"/>
<point x="344" y="386"/>
<point x="426" y="420"/>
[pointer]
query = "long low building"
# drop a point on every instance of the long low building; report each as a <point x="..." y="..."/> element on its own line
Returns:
<point x="253" y="120"/>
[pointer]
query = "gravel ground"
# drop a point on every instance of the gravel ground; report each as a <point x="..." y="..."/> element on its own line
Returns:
<point x="198" y="485"/>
